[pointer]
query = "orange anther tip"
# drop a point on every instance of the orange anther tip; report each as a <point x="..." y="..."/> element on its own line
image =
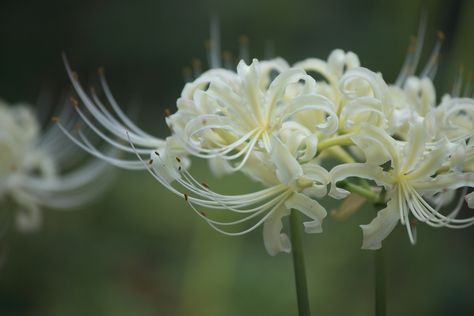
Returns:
<point x="440" y="35"/>
<point x="243" y="39"/>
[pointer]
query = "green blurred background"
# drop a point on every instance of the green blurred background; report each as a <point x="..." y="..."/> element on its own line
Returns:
<point x="140" y="250"/>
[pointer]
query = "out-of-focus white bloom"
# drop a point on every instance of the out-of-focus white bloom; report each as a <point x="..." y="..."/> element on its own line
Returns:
<point x="32" y="167"/>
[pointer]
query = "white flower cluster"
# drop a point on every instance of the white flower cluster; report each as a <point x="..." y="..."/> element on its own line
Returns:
<point x="279" y="124"/>
<point x="32" y="169"/>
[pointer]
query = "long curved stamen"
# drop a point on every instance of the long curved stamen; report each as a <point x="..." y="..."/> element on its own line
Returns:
<point x="212" y="200"/>
<point x="275" y="202"/>
<point x="214" y="49"/>
<point x="126" y="164"/>
<point x="432" y="65"/>
<point x="228" y="201"/>
<point x="434" y="217"/>
<point x="468" y="221"/>
<point x="251" y="228"/>
<point x="414" y="52"/>
<point x="223" y="151"/>
<point x="105" y="137"/>
<point x="405" y="215"/>
<point x="468" y="89"/>
<point x="111" y="126"/>
<point x="458" y="206"/>
<point x="128" y="123"/>
<point x="458" y="82"/>
<point x="244" y="48"/>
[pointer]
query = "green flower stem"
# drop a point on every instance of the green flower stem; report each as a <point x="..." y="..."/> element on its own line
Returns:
<point x="379" y="264"/>
<point x="335" y="141"/>
<point x="339" y="153"/>
<point x="380" y="303"/>
<point x="370" y="195"/>
<point x="298" y="264"/>
<point x="378" y="199"/>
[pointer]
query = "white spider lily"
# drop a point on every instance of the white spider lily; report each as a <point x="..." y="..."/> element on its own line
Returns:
<point x="230" y="115"/>
<point x="259" y="104"/>
<point x="416" y="170"/>
<point x="276" y="124"/>
<point x="30" y="169"/>
<point x="293" y="186"/>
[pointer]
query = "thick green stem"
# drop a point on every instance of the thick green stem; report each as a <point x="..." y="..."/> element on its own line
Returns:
<point x="298" y="264"/>
<point x="380" y="303"/>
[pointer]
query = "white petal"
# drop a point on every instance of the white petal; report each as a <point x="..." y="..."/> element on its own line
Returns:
<point x="448" y="181"/>
<point x="249" y="76"/>
<point x="363" y="109"/>
<point x="259" y="167"/>
<point x="283" y="80"/>
<point x="470" y="200"/>
<point x="374" y="152"/>
<point x="413" y="151"/>
<point x="360" y="170"/>
<point x="274" y="240"/>
<point x="267" y="67"/>
<point x="287" y="167"/>
<point x="381" y="226"/>
<point x="319" y="66"/>
<point x="338" y="60"/>
<point x="359" y="81"/>
<point x="458" y="107"/>
<point x="320" y="178"/>
<point x="371" y="137"/>
<point x="421" y="93"/>
<point x="204" y="80"/>
<point x="316" y="103"/>
<point x="432" y="161"/>
<point x="219" y="166"/>
<point x="310" y="208"/>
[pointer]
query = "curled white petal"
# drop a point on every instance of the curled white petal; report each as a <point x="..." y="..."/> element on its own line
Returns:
<point x="287" y="168"/>
<point x="310" y="208"/>
<point x="274" y="240"/>
<point x="381" y="226"/>
<point x="470" y="200"/>
<point x="360" y="170"/>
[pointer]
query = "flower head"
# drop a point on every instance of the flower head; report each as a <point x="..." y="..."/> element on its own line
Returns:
<point x="280" y="124"/>
<point x="230" y="115"/>
<point x="417" y="168"/>
<point x="32" y="167"/>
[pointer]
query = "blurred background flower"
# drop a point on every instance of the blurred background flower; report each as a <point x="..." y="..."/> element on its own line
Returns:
<point x="140" y="250"/>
